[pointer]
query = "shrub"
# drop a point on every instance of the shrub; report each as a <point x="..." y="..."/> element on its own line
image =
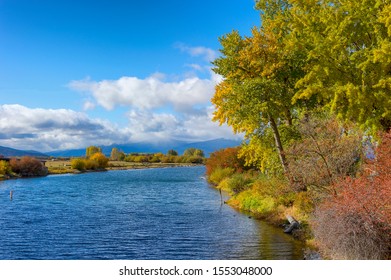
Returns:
<point x="91" y="164"/>
<point x="225" y="158"/>
<point x="251" y="201"/>
<point x="327" y="151"/>
<point x="78" y="163"/>
<point x="219" y="174"/>
<point x="28" y="167"/>
<point x="356" y="222"/>
<point x="100" y="159"/>
<point x="239" y="182"/>
<point x="5" y="168"/>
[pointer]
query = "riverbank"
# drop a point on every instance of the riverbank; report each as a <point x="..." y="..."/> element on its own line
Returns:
<point x="273" y="205"/>
<point x="64" y="167"/>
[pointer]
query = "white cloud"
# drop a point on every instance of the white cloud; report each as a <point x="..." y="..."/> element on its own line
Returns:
<point x="206" y="53"/>
<point x="49" y="129"/>
<point x="155" y="127"/>
<point x="149" y="93"/>
<point x="88" y="105"/>
<point x="59" y="129"/>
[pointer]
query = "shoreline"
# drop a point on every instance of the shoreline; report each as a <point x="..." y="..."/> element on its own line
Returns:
<point x="127" y="166"/>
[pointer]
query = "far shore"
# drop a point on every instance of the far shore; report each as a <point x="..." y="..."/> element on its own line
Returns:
<point x="64" y="167"/>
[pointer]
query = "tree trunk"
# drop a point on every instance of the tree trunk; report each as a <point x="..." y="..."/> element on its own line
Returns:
<point x="280" y="149"/>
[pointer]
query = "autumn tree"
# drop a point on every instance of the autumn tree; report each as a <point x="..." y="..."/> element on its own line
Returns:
<point x="256" y="93"/>
<point x="193" y="152"/>
<point x="117" y="154"/>
<point x="347" y="54"/>
<point x="91" y="150"/>
<point x="172" y="153"/>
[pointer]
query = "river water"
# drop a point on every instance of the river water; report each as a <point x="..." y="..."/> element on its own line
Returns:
<point x="161" y="214"/>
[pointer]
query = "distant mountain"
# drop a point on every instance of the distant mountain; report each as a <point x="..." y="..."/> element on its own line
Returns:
<point x="9" y="152"/>
<point x="179" y="146"/>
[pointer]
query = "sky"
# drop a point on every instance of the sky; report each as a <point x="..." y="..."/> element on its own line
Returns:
<point x="80" y="73"/>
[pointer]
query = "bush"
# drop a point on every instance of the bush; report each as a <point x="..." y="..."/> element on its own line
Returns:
<point x="255" y="203"/>
<point x="327" y="152"/>
<point x="5" y="168"/>
<point x="239" y="182"/>
<point x="224" y="158"/>
<point x="78" y="163"/>
<point x="100" y="159"/>
<point x="219" y="174"/>
<point x="356" y="222"/>
<point x="91" y="164"/>
<point x="28" y="167"/>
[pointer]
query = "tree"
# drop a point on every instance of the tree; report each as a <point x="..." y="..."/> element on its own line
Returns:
<point x="117" y="154"/>
<point x="172" y="153"/>
<point x="193" y="152"/>
<point x="258" y="86"/>
<point x="91" y="150"/>
<point x="347" y="51"/>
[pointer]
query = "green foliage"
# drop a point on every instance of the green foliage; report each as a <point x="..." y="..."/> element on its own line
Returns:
<point x="172" y="153"/>
<point x="117" y="154"/>
<point x="238" y="182"/>
<point x="345" y="51"/>
<point x="91" y="150"/>
<point x="219" y="174"/>
<point x="193" y="152"/>
<point x="252" y="202"/>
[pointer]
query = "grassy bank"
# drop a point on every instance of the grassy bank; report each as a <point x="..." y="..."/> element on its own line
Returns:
<point x="269" y="199"/>
<point x="65" y="166"/>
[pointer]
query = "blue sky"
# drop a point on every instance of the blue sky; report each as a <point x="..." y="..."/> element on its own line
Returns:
<point x="78" y="73"/>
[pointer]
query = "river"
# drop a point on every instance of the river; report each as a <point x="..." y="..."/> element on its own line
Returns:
<point x="160" y="214"/>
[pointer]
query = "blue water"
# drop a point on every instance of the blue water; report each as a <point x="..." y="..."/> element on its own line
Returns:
<point x="168" y="213"/>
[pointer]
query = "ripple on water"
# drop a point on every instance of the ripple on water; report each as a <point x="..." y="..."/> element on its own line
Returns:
<point x="131" y="214"/>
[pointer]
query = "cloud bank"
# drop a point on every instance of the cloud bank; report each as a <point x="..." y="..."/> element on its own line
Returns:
<point x="157" y="109"/>
<point x="49" y="129"/>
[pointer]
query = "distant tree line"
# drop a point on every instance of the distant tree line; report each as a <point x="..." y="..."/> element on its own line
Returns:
<point x="95" y="159"/>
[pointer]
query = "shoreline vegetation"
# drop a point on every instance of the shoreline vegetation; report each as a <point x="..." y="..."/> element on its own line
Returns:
<point x="96" y="161"/>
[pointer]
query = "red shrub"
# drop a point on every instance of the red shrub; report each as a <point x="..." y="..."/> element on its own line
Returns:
<point x="28" y="167"/>
<point x="356" y="223"/>
<point x="224" y="158"/>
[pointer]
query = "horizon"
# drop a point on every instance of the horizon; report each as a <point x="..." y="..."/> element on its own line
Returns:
<point x="98" y="73"/>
